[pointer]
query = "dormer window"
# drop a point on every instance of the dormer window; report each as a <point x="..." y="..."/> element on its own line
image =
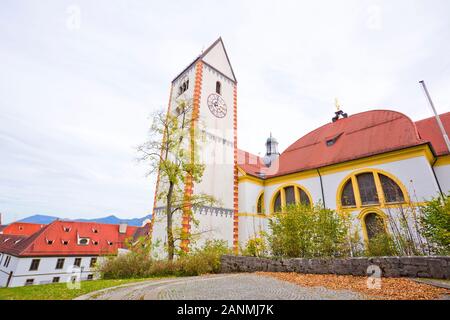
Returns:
<point x="20" y="228"/>
<point x="331" y="141"/>
<point x="83" y="241"/>
<point x="95" y="243"/>
<point x="94" y="230"/>
<point x="218" y="87"/>
<point x="49" y="242"/>
<point x="66" y="229"/>
<point x="110" y="243"/>
<point x="65" y="242"/>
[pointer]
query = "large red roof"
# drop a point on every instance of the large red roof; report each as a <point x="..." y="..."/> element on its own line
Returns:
<point x="358" y="136"/>
<point x="49" y="240"/>
<point x="22" y="228"/>
<point x="429" y="130"/>
<point x="249" y="162"/>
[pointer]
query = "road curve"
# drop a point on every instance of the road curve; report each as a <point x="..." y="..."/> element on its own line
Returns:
<point x="219" y="287"/>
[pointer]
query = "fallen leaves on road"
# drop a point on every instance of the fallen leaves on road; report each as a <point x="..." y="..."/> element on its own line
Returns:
<point x="391" y="288"/>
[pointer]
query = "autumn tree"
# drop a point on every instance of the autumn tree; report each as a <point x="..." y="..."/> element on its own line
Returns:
<point x="172" y="151"/>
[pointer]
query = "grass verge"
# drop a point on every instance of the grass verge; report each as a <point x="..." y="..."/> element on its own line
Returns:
<point x="60" y="291"/>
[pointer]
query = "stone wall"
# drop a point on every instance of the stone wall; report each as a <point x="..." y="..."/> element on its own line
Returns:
<point x="414" y="267"/>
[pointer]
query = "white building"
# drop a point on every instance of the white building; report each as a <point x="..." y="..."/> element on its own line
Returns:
<point x="62" y="251"/>
<point x="364" y="164"/>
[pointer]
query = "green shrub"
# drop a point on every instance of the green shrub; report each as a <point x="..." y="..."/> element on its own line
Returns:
<point x="134" y="265"/>
<point x="256" y="246"/>
<point x="435" y="223"/>
<point x="125" y="266"/>
<point x="308" y="232"/>
<point x="381" y="245"/>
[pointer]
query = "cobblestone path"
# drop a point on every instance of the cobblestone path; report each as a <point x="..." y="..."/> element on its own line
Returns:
<point x="219" y="287"/>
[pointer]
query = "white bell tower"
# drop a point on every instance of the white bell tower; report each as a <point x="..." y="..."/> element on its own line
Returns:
<point x="211" y="84"/>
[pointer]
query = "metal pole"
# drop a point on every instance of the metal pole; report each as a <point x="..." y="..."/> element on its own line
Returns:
<point x="438" y="119"/>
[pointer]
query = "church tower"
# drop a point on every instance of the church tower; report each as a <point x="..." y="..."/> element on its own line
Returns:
<point x="209" y="82"/>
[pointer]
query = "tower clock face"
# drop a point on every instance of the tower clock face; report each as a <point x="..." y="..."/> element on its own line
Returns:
<point x="217" y="105"/>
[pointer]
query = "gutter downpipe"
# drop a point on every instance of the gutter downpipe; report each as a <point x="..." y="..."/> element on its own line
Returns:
<point x="435" y="177"/>
<point x="321" y="188"/>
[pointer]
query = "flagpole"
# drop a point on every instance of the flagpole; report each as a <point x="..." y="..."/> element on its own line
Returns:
<point x="438" y="119"/>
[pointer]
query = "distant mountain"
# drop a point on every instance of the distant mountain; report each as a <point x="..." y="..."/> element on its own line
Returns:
<point x="43" y="219"/>
<point x="39" y="218"/>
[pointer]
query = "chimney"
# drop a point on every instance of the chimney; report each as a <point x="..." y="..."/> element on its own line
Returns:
<point x="123" y="228"/>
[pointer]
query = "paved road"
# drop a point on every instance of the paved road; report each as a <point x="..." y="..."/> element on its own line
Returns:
<point x="219" y="287"/>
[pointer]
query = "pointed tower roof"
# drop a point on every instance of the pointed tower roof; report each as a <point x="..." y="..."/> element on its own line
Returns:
<point x="216" y="57"/>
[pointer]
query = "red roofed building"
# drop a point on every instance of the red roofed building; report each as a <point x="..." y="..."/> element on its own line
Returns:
<point x="352" y="164"/>
<point x="21" y="228"/>
<point x="51" y="252"/>
<point x="365" y="165"/>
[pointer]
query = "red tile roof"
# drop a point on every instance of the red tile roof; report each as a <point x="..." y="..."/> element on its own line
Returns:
<point x="49" y="240"/>
<point x="250" y="163"/>
<point x="358" y="136"/>
<point x="22" y="228"/>
<point x="429" y="130"/>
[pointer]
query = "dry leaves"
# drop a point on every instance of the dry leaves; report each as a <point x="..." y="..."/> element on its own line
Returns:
<point x="391" y="288"/>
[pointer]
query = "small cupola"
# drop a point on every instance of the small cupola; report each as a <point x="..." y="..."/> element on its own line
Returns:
<point x="271" y="150"/>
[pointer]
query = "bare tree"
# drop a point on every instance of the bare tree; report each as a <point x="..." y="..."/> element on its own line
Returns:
<point x="172" y="151"/>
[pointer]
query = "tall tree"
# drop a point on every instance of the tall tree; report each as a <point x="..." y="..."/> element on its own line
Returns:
<point x="172" y="151"/>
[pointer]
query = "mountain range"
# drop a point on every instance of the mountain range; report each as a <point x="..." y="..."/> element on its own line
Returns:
<point x="44" y="219"/>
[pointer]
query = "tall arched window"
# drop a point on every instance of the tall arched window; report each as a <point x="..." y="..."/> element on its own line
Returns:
<point x="371" y="188"/>
<point x="277" y="202"/>
<point x="392" y="192"/>
<point x="348" y="195"/>
<point x="367" y="188"/>
<point x="374" y="225"/>
<point x="218" y="87"/>
<point x="260" y="204"/>
<point x="290" y="195"/>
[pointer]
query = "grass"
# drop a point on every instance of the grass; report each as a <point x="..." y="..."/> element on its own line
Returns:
<point x="60" y="291"/>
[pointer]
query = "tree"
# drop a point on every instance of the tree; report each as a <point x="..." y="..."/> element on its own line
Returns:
<point x="171" y="151"/>
<point x="435" y="223"/>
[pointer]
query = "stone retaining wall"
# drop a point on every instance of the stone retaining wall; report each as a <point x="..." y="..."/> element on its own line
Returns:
<point x="413" y="267"/>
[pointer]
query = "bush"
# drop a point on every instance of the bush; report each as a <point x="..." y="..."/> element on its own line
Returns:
<point x="435" y="223"/>
<point x="381" y="245"/>
<point x="256" y="246"/>
<point x="125" y="266"/>
<point x="302" y="231"/>
<point x="134" y="265"/>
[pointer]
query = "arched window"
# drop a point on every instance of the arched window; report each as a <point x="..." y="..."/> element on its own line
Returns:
<point x="290" y="195"/>
<point x="304" y="199"/>
<point x="348" y="195"/>
<point x="277" y="202"/>
<point x="218" y="87"/>
<point x="371" y="188"/>
<point x="367" y="188"/>
<point x="374" y="225"/>
<point x="392" y="192"/>
<point x="260" y="204"/>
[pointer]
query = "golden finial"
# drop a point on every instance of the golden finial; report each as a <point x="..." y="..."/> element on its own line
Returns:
<point x="337" y="104"/>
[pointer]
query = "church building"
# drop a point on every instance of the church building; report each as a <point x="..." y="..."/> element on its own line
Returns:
<point x="365" y="164"/>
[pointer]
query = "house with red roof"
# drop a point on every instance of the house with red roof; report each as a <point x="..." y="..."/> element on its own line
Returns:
<point x="62" y="251"/>
<point x="366" y="165"/>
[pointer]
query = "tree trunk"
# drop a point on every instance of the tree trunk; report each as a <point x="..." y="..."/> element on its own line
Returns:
<point x="170" y="240"/>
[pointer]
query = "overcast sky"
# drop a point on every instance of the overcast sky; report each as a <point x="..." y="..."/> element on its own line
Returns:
<point x="78" y="80"/>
